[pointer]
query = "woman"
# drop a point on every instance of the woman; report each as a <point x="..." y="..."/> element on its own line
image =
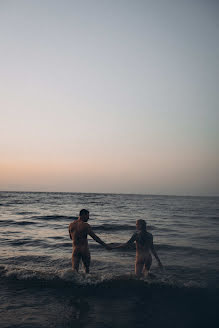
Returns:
<point x="144" y="248"/>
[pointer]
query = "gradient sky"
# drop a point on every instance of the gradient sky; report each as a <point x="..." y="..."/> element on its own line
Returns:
<point x="109" y="96"/>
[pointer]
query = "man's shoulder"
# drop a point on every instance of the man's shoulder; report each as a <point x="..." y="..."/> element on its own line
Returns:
<point x="86" y="225"/>
<point x="82" y="224"/>
<point x="73" y="223"/>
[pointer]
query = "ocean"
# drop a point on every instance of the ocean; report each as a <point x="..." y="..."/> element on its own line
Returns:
<point x="39" y="289"/>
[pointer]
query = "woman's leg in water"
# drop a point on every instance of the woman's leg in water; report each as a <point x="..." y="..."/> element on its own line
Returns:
<point x="147" y="265"/>
<point x="139" y="264"/>
<point x="138" y="269"/>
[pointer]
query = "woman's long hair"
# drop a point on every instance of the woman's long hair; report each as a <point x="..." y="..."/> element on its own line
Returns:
<point x="142" y="224"/>
<point x="142" y="235"/>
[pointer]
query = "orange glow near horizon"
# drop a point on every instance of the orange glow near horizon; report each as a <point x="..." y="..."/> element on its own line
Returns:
<point x="109" y="103"/>
<point x="100" y="174"/>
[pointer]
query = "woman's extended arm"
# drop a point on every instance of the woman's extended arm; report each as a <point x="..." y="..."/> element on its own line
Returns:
<point x="128" y="243"/>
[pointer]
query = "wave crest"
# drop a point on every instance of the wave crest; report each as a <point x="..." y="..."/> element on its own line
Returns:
<point x="66" y="277"/>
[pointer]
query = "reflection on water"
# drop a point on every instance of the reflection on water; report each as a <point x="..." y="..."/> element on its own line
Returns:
<point x="38" y="288"/>
<point x="43" y="307"/>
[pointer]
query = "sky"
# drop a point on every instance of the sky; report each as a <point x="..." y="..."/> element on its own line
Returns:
<point x="109" y="96"/>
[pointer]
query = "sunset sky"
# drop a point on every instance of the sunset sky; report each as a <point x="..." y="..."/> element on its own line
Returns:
<point x="109" y="96"/>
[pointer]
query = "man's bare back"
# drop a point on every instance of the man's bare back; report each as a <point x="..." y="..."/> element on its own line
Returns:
<point x="78" y="231"/>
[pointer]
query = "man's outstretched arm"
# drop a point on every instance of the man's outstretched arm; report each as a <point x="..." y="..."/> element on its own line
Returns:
<point x="97" y="239"/>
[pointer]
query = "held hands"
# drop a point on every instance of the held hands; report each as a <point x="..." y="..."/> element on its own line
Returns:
<point x="109" y="247"/>
<point x="115" y="247"/>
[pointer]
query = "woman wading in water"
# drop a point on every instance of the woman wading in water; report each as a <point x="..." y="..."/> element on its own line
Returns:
<point x="144" y="248"/>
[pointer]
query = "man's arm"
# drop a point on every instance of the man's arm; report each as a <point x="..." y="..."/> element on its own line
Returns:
<point x="96" y="238"/>
<point x="155" y="254"/>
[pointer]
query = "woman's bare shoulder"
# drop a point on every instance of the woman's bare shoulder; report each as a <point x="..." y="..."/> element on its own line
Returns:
<point x="149" y="235"/>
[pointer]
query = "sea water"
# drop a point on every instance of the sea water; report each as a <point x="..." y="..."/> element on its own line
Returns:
<point x="39" y="289"/>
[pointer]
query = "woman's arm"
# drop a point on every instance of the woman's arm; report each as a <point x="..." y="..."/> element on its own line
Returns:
<point x="128" y="243"/>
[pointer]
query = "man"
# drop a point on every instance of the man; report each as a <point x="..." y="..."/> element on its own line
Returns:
<point x="78" y="231"/>
<point x="144" y="248"/>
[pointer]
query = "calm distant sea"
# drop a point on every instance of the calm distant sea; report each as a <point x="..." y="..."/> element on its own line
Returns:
<point x="40" y="290"/>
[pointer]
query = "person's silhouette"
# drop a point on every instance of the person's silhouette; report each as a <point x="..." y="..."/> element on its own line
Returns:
<point x="144" y="248"/>
<point x="78" y="231"/>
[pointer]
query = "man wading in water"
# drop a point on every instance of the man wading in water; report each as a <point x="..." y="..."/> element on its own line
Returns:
<point x="144" y="248"/>
<point x="78" y="231"/>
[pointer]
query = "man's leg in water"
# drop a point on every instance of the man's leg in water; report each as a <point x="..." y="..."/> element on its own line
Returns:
<point x="86" y="261"/>
<point x="75" y="261"/>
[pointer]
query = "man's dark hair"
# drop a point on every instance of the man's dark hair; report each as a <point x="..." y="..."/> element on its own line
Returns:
<point x="83" y="212"/>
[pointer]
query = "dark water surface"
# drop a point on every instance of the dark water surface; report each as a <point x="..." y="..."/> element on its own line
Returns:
<point x="39" y="289"/>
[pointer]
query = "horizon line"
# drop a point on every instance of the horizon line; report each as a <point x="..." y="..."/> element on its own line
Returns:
<point x="110" y="193"/>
